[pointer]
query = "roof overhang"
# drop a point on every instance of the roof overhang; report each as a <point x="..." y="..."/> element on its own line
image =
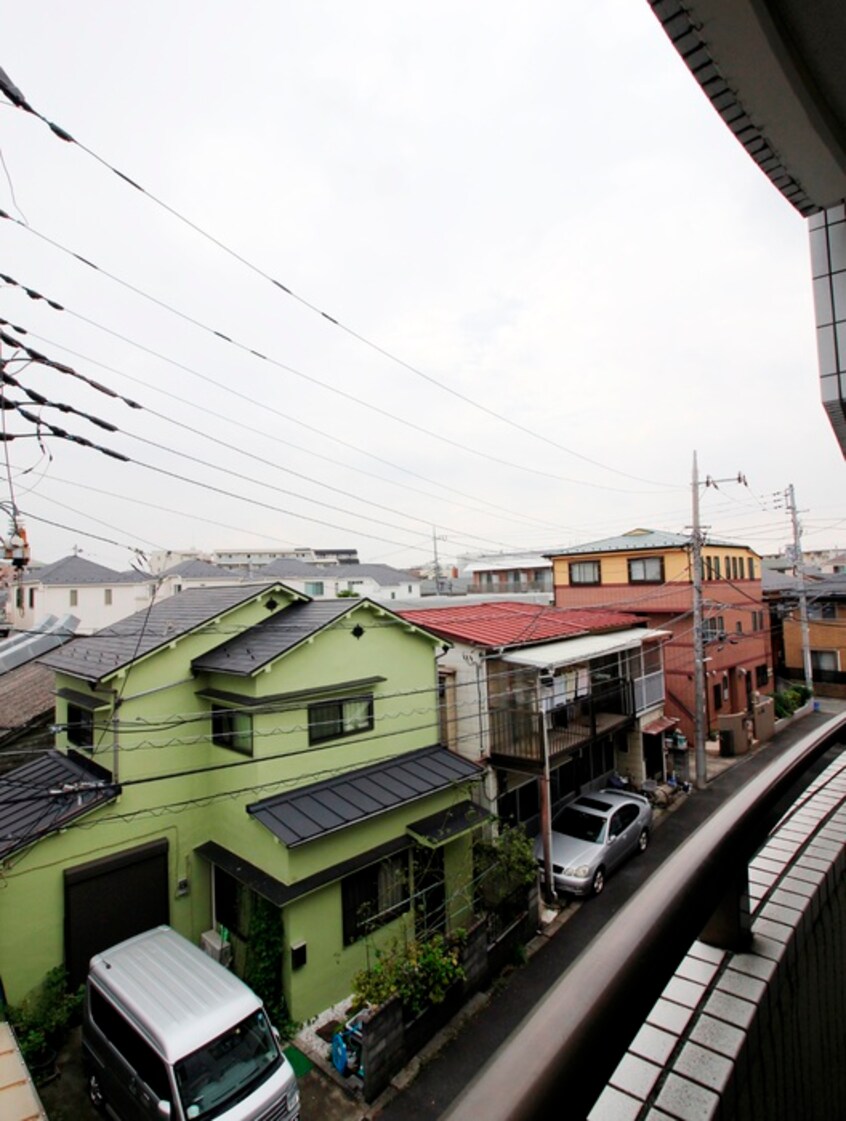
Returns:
<point x="773" y="70"/>
<point x="552" y="655"/>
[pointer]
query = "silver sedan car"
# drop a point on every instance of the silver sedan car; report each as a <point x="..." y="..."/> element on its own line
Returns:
<point x="592" y="835"/>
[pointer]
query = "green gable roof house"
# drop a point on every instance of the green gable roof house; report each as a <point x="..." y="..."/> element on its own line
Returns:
<point x="229" y="754"/>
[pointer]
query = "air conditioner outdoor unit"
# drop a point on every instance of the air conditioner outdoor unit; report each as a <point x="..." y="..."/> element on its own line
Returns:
<point x="212" y="944"/>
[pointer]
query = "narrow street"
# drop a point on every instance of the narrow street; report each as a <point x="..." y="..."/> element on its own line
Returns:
<point x="442" y="1079"/>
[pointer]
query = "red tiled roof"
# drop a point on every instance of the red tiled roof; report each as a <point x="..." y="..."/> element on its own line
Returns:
<point x="505" y="623"/>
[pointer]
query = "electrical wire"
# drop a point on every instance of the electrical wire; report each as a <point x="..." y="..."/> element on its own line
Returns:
<point x="17" y="99"/>
<point x="503" y="512"/>
<point x="286" y="368"/>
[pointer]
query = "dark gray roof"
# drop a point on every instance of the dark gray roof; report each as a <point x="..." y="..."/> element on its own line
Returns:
<point x="313" y="811"/>
<point x="381" y="573"/>
<point x="195" y="569"/>
<point x="77" y="571"/>
<point x="639" y="539"/>
<point x="302" y="570"/>
<point x="43" y="796"/>
<point x="248" y="652"/>
<point x="101" y="654"/>
<point x="819" y="585"/>
<point x="291" y="568"/>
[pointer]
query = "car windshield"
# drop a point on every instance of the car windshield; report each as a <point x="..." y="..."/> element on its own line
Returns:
<point x="583" y="826"/>
<point x="213" y="1078"/>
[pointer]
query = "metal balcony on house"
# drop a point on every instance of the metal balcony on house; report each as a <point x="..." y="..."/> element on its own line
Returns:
<point x="517" y="729"/>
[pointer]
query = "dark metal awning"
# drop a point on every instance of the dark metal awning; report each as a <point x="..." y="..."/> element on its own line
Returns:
<point x="245" y="873"/>
<point x="313" y="811"/>
<point x="280" y="893"/>
<point x="436" y="829"/>
<point x="88" y="701"/>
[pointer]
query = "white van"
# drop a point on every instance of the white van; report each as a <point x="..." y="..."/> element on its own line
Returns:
<point x="169" y="1033"/>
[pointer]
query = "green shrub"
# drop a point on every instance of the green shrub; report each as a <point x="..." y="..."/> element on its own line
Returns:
<point x="503" y="865"/>
<point x="43" y="1019"/>
<point x="420" y="973"/>
<point x="788" y="700"/>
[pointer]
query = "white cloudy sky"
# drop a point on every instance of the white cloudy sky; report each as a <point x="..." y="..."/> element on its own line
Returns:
<point x="531" y="205"/>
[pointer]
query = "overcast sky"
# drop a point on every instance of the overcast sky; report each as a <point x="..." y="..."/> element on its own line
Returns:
<point x="556" y="274"/>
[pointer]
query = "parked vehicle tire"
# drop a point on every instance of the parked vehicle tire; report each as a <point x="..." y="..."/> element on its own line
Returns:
<point x="643" y="840"/>
<point x="95" y="1093"/>
<point x="598" y="881"/>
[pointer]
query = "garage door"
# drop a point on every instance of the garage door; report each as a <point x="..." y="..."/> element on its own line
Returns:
<point x="110" y="899"/>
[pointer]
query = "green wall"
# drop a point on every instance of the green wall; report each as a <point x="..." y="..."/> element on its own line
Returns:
<point x="169" y="791"/>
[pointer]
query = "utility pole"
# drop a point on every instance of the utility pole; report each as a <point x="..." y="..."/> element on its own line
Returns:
<point x="700" y="699"/>
<point x="438" y="581"/>
<point x="799" y="573"/>
<point x="698" y="638"/>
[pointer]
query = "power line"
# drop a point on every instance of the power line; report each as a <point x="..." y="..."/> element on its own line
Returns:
<point x="17" y="99"/>
<point x="310" y="378"/>
<point x="509" y="515"/>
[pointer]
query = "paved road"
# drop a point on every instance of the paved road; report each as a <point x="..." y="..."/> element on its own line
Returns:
<point x="448" y="1073"/>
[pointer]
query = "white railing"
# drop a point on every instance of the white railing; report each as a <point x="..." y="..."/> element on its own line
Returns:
<point x="648" y="691"/>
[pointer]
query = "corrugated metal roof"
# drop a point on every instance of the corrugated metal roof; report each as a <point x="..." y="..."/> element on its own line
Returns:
<point x="22" y="648"/>
<point x="581" y="649"/>
<point x="508" y="623"/>
<point x="248" y="652"/>
<point x="19" y="1099"/>
<point x="43" y="796"/>
<point x="310" y="812"/>
<point x="99" y="655"/>
<point x="637" y="539"/>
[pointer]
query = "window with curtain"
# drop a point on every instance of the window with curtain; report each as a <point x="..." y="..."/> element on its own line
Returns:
<point x="331" y="720"/>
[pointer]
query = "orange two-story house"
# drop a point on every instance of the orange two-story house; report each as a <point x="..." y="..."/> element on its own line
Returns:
<point x="650" y="572"/>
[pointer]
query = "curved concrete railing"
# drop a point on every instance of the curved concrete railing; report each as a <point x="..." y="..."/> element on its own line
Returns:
<point x="559" y="1059"/>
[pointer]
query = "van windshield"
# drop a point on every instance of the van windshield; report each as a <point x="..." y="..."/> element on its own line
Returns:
<point x="226" y="1070"/>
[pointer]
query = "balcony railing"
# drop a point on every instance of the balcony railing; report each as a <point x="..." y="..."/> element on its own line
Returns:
<point x="648" y="691"/>
<point x="560" y="1057"/>
<point x="517" y="731"/>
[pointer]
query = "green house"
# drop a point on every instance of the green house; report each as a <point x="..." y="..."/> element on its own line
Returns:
<point x="258" y="769"/>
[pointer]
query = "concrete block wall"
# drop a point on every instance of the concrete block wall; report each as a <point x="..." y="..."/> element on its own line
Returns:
<point x="761" y="1034"/>
<point x="383" y="1048"/>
